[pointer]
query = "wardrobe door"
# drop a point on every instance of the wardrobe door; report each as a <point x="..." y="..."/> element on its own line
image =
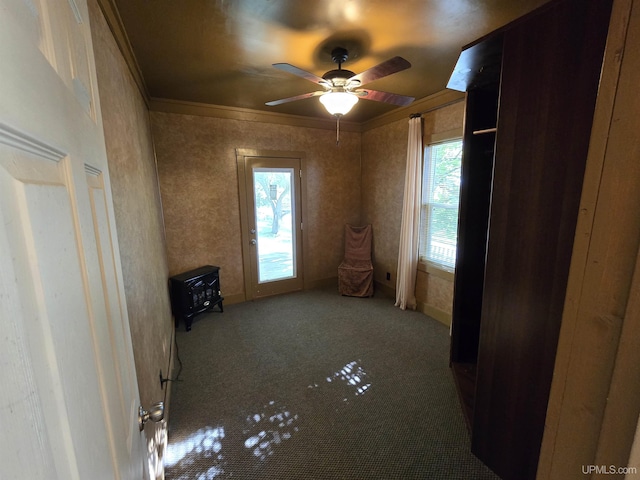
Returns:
<point x="550" y="73"/>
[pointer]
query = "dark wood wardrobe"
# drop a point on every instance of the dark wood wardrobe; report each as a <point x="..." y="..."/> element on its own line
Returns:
<point x="530" y="90"/>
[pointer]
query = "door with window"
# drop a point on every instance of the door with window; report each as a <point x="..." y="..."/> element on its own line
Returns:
<point x="271" y="201"/>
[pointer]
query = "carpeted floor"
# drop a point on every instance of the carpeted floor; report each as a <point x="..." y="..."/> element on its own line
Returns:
<point x="313" y="385"/>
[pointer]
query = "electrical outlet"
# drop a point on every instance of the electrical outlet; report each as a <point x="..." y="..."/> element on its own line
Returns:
<point x="388" y="275"/>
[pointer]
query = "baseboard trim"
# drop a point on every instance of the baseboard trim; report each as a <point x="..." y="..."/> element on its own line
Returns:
<point x="170" y="374"/>
<point x="233" y="299"/>
<point x="435" y="313"/>
<point x="385" y="290"/>
<point x="381" y="288"/>
<point x="322" y="283"/>
<point x="429" y="310"/>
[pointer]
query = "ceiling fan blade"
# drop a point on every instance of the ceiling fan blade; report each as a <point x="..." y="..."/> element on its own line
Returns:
<point x="287" y="67"/>
<point x="386" y="97"/>
<point x="293" y="99"/>
<point x="393" y="65"/>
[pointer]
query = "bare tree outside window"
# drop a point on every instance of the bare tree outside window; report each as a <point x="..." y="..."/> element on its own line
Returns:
<point x="275" y="192"/>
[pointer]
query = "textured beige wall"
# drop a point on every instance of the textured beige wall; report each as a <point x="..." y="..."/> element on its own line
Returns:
<point x="443" y="120"/>
<point x="436" y="292"/>
<point x="384" y="154"/>
<point x="137" y="210"/>
<point x="199" y="185"/>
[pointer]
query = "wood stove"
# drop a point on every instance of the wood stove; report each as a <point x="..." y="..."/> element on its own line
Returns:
<point x="195" y="292"/>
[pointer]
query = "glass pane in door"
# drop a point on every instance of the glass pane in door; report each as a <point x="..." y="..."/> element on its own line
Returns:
<point x="275" y="235"/>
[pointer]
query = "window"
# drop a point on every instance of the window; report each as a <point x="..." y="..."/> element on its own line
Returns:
<point x="440" y="198"/>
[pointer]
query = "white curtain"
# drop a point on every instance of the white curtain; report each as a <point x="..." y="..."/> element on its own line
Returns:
<point x="410" y="226"/>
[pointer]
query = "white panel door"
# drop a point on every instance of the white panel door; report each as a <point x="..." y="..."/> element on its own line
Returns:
<point x="69" y="396"/>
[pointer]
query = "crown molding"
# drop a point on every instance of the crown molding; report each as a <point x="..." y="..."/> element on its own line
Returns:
<point x="112" y="16"/>
<point x="248" y="115"/>
<point x="424" y="105"/>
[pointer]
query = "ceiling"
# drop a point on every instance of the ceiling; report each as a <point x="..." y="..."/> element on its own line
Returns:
<point x="220" y="52"/>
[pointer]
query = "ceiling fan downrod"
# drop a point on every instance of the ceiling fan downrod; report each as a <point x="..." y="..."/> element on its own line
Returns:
<point x="339" y="55"/>
<point x="338" y="77"/>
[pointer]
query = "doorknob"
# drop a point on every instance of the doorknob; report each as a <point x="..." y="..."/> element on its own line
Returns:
<point x="253" y="241"/>
<point x="155" y="413"/>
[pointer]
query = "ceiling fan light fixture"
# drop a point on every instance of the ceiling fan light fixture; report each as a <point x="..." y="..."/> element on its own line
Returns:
<point x="338" y="103"/>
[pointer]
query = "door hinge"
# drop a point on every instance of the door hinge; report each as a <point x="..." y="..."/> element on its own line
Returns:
<point x="301" y="226"/>
<point x="300" y="172"/>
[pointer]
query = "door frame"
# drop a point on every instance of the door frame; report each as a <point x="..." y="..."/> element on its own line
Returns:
<point x="243" y="156"/>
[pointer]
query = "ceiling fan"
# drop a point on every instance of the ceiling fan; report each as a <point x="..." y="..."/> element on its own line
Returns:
<point x="342" y="88"/>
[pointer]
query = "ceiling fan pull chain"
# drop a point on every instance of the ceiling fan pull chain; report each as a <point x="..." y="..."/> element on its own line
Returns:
<point x="338" y="131"/>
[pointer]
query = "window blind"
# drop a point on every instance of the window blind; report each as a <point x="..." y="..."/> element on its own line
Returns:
<point x="440" y="201"/>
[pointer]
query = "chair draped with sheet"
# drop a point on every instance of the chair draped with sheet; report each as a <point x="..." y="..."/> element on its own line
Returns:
<point x="355" y="273"/>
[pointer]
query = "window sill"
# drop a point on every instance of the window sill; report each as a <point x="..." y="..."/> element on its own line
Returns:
<point x="436" y="271"/>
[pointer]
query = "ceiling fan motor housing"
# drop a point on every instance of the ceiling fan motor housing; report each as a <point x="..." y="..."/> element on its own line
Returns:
<point x="338" y="77"/>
